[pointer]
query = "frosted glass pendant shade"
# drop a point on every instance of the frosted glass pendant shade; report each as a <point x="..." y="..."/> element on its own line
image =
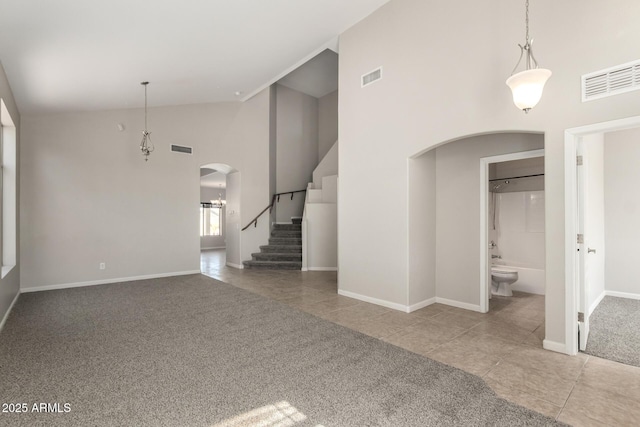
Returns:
<point x="527" y="86"/>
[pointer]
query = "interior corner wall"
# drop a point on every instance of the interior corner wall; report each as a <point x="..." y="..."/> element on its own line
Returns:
<point x="232" y="220"/>
<point x="273" y="146"/>
<point x="458" y="209"/>
<point x="622" y="210"/>
<point x="87" y="189"/>
<point x="10" y="284"/>
<point x="427" y="96"/>
<point x="327" y="123"/>
<point x="422" y="226"/>
<point x="297" y="148"/>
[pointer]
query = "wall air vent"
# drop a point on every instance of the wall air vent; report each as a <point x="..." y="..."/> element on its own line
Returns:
<point x="612" y="81"/>
<point x="181" y="149"/>
<point x="371" y="77"/>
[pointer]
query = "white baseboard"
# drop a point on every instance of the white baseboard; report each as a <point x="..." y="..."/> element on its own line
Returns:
<point x="458" y="304"/>
<point x="213" y="247"/>
<point x="622" y="294"/>
<point x="558" y="347"/>
<point x="376" y="301"/>
<point x="106" y="281"/>
<point x="596" y="302"/>
<point x="421" y="304"/>
<point x="6" y="315"/>
<point x="322" y="268"/>
<point x="238" y="266"/>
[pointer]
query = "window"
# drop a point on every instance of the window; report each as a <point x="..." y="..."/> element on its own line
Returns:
<point x="210" y="219"/>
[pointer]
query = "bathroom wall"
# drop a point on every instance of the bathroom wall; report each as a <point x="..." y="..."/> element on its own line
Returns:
<point x="519" y="232"/>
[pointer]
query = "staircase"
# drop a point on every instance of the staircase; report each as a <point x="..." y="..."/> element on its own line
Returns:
<point x="284" y="251"/>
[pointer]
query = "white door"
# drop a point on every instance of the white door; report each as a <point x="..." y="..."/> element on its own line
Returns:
<point x="582" y="264"/>
<point x="590" y="179"/>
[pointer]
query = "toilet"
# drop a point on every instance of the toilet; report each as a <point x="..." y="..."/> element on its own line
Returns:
<point x="501" y="280"/>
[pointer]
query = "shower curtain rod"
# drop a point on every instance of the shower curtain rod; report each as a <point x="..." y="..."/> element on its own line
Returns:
<point x="516" y="177"/>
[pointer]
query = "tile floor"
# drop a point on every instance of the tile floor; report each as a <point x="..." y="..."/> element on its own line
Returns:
<point x="503" y="346"/>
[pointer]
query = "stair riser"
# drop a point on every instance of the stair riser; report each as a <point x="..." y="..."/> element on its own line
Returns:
<point x="288" y="227"/>
<point x="281" y="249"/>
<point x="281" y="241"/>
<point x="286" y="233"/>
<point x="250" y="265"/>
<point x="277" y="257"/>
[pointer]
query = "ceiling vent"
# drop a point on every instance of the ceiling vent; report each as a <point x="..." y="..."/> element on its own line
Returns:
<point x="181" y="149"/>
<point x="612" y="81"/>
<point x="371" y="77"/>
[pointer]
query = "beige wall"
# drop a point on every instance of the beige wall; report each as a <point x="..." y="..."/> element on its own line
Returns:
<point x="622" y="210"/>
<point x="297" y="148"/>
<point x="10" y="284"/>
<point x="90" y="197"/>
<point x="435" y="88"/>
<point x="327" y="123"/>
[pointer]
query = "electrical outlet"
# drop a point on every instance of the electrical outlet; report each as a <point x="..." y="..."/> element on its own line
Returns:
<point x="103" y="265"/>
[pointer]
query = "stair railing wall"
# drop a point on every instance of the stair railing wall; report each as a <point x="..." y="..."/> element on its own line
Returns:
<point x="274" y="200"/>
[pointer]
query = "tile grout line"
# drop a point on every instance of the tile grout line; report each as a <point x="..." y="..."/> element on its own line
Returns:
<point x="573" y="388"/>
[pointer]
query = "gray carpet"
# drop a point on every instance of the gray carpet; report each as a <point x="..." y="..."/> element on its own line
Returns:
<point x="192" y="351"/>
<point x="614" y="331"/>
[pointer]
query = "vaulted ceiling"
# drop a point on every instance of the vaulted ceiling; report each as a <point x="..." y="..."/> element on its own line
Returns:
<point x="70" y="55"/>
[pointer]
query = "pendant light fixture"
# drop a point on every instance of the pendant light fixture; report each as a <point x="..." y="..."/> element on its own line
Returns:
<point x="146" y="146"/>
<point x="526" y="86"/>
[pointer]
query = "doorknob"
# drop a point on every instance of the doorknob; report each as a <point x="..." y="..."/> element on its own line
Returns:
<point x="591" y="251"/>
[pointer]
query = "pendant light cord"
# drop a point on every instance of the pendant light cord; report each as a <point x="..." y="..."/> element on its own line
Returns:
<point x="526" y="20"/>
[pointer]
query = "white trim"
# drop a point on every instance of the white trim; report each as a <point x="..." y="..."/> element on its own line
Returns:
<point x="422" y="304"/>
<point x="304" y="269"/>
<point x="558" y="347"/>
<point x="238" y="266"/>
<point x="283" y="222"/>
<point x="597" y="302"/>
<point x="213" y="247"/>
<point x="458" y="304"/>
<point x="622" y="295"/>
<point x="106" y="281"/>
<point x="6" y="315"/>
<point x="571" y="138"/>
<point x="484" y="222"/>
<point x="376" y="301"/>
<point x="322" y="268"/>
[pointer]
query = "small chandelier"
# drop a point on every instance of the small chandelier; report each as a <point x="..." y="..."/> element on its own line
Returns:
<point x="146" y="146"/>
<point x="527" y="85"/>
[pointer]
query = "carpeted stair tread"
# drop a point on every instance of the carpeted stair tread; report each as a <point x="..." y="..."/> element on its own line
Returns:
<point x="273" y="265"/>
<point x="284" y="251"/>
<point x="281" y="248"/>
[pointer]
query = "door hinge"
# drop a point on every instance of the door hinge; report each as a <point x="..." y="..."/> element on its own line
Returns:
<point x="579" y="160"/>
<point x="581" y="238"/>
<point x="580" y="317"/>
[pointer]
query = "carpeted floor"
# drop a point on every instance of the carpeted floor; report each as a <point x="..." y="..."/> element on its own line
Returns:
<point x="614" y="331"/>
<point x="192" y="351"/>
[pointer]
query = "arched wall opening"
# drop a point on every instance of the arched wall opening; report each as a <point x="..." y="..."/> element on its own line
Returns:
<point x="444" y="224"/>
<point x="220" y="186"/>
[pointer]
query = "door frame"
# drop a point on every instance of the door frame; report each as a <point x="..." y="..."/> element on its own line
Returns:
<point x="572" y="137"/>
<point x="484" y="217"/>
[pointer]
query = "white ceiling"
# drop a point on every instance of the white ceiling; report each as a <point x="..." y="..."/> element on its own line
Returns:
<point x="318" y="77"/>
<point x="71" y="55"/>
